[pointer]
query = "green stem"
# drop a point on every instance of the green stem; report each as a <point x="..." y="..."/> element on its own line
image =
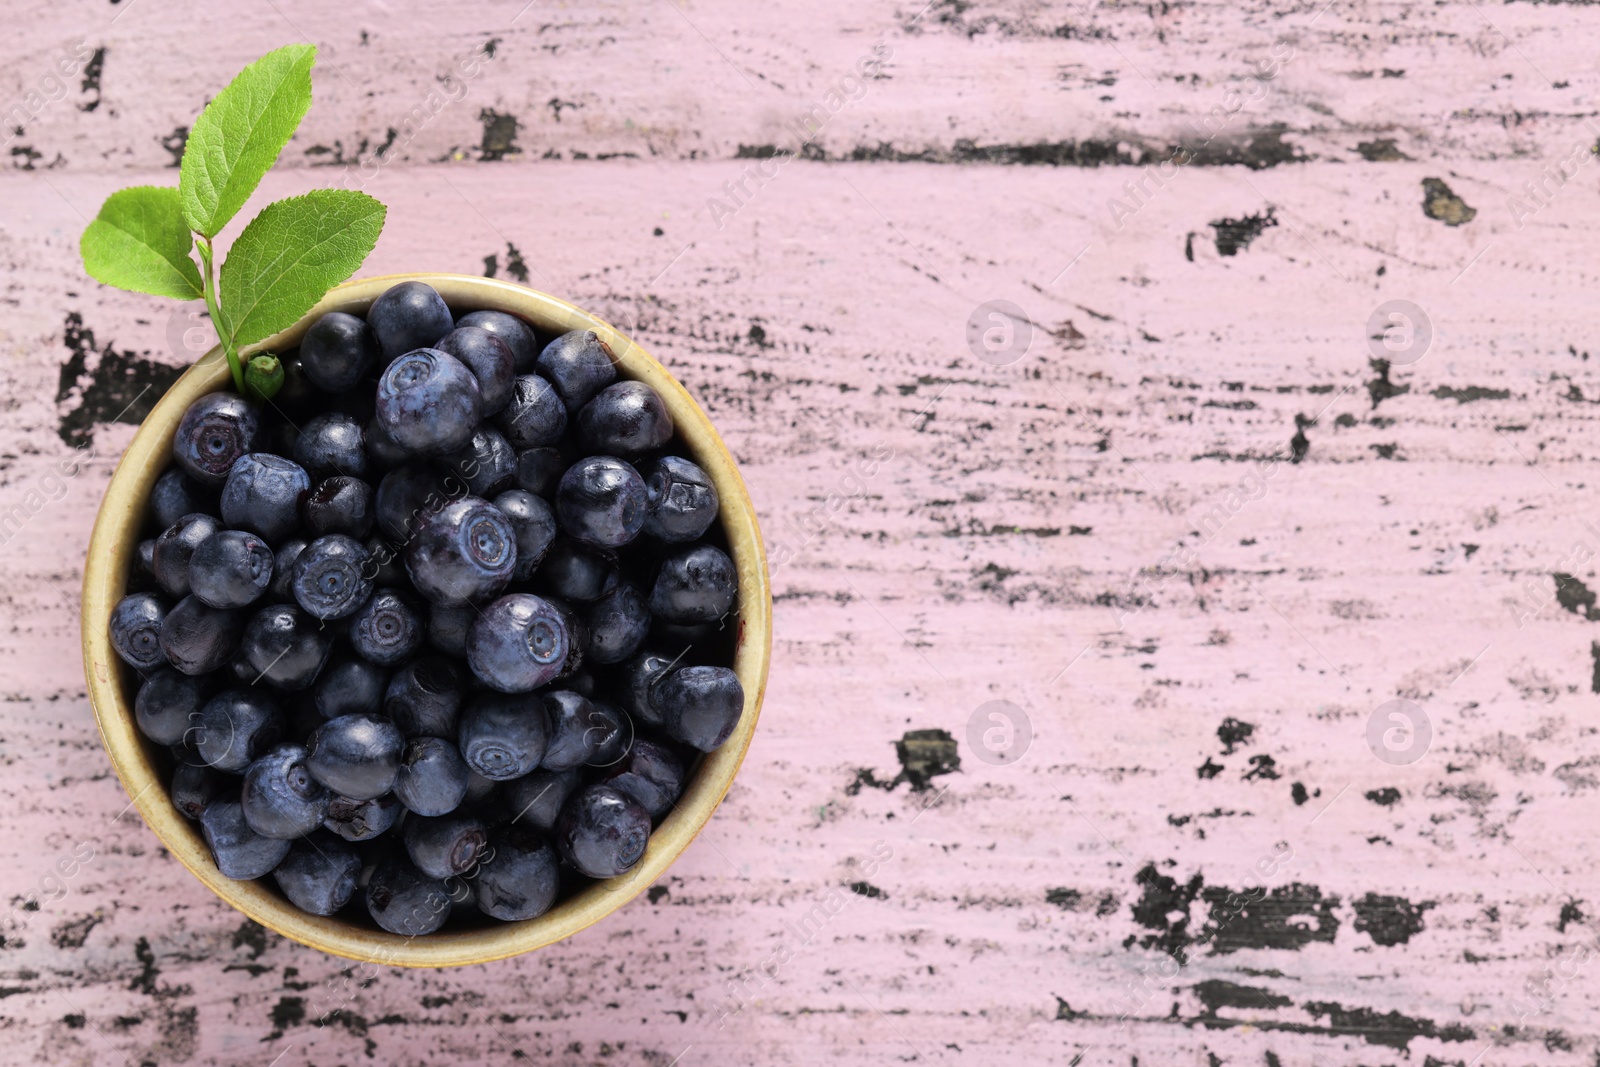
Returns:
<point x="204" y="245"/>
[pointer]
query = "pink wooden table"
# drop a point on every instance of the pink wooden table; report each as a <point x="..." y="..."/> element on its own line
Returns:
<point x="1312" y="746"/>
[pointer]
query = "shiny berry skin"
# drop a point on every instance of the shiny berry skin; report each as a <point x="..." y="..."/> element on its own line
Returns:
<point x="649" y="775"/>
<point x="362" y="820"/>
<point x="465" y="551"/>
<point x="230" y="569"/>
<point x="540" y="469"/>
<point x="235" y="727"/>
<point x="535" y="525"/>
<point x="198" y="639"/>
<point x="337" y="352"/>
<point x="521" y="642"/>
<point x="576" y="730"/>
<point x="349" y="686"/>
<point x="601" y="501"/>
<point x="637" y="685"/>
<point x="433" y="777"/>
<point x="215" y="431"/>
<point x="429" y="402"/>
<point x="408" y="316"/>
<point x="601" y="832"/>
<point x="356" y="756"/>
<point x="332" y="577"/>
<point x="175" y="495"/>
<point x="536" y="798"/>
<point x="286" y="646"/>
<point x="517" y="335"/>
<point x="424" y="697"/>
<point x="579" y="365"/>
<point x="575" y="571"/>
<point x="624" y="419"/>
<point x="168" y="704"/>
<point x="319" y="875"/>
<point x="694" y="585"/>
<point x="700" y="706"/>
<point x="280" y="797"/>
<point x="340" y="505"/>
<point x="488" y="358"/>
<point x="240" y="852"/>
<point x="617" y="624"/>
<point x="502" y="737"/>
<point x="448" y="625"/>
<point x="404" y="901"/>
<point x="444" y="846"/>
<point x="136" y="624"/>
<point x="405" y="497"/>
<point x="534" y="416"/>
<point x="383" y="451"/>
<point x="612" y="732"/>
<point x="263" y="495"/>
<point x="332" y="443"/>
<point x="521" y="877"/>
<point x="169" y="559"/>
<point x="485" y="466"/>
<point x="387" y="629"/>
<point x="682" y="503"/>
<point x="194" y="786"/>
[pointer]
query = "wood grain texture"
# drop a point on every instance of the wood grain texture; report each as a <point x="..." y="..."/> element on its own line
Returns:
<point x="1191" y="530"/>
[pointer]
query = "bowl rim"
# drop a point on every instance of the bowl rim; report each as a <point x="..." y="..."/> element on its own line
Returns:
<point x="115" y="539"/>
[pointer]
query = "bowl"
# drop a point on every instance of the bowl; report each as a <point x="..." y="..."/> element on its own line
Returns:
<point x="114" y="544"/>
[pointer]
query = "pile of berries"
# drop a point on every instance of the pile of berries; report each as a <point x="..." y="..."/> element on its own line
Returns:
<point x="441" y="629"/>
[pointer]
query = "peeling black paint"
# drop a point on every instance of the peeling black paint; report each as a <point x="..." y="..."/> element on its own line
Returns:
<point x="868" y="890"/>
<point x="1298" y="794"/>
<point x="1439" y="202"/>
<point x="1381" y="388"/>
<point x="1208" y="769"/>
<point x="1283" y="917"/>
<point x="923" y="754"/>
<point x="1470" y="393"/>
<point x="1235" y="235"/>
<point x="1574" y="596"/>
<point x="92" y="71"/>
<point x="175" y="142"/>
<point x="1389" y="920"/>
<point x="1390" y="1029"/>
<point x="1262" y="768"/>
<point x="1386" y="797"/>
<point x="1570" y="913"/>
<point x="1381" y="150"/>
<point x="1217" y="993"/>
<point x="499" y="136"/>
<point x="1300" y="444"/>
<point x="516" y="266"/>
<point x="1233" y="733"/>
<point x="105" y="385"/>
<point x="658" y="893"/>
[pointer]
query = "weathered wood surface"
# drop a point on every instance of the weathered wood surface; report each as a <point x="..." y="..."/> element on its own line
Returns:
<point x="1107" y="531"/>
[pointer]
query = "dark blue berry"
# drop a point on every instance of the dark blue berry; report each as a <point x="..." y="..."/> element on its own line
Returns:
<point x="534" y="416"/>
<point x="387" y="630"/>
<point x="433" y="777"/>
<point x="601" y="501"/>
<point x="404" y="901"/>
<point x="520" y="878"/>
<point x="198" y="639"/>
<point x="349" y="686"/>
<point x="611" y="730"/>
<point x="502" y="737"/>
<point x="332" y="443"/>
<point x="624" y="419"/>
<point x="340" y="505"/>
<point x="535" y="524"/>
<point x="169" y="704"/>
<point x="444" y="846"/>
<point x="682" y="502"/>
<point x="285" y="646"/>
<point x="649" y="775"/>
<point x="337" y="352"/>
<point x="694" y="585"/>
<point x="406" y="496"/>
<point x="283" y="567"/>
<point x="263" y="495"/>
<point x="356" y="756"/>
<point x="536" y="798"/>
<point x="601" y="832"/>
<point x="617" y="624"/>
<point x="235" y="727"/>
<point x="240" y="852"/>
<point x="383" y="451"/>
<point x="320" y="873"/>
<point x="136" y="624"/>
<point x="517" y="335"/>
<point x="384" y="565"/>
<point x="362" y="820"/>
<point x="479" y="788"/>
<point x="465" y="551"/>
<point x="522" y="641"/>
<point x="575" y="571"/>
<point x="540" y="469"/>
<point x="145" y="562"/>
<point x="175" y="495"/>
<point x="280" y="797"/>
<point x="579" y="365"/>
<point x="488" y="358"/>
<point x="486" y="465"/>
<point x="215" y="431"/>
<point x="332" y="577"/>
<point x="576" y="730"/>
<point x="448" y="625"/>
<point x="638" y="680"/>
<point x="700" y="706"/>
<point x="230" y="569"/>
<point x="169" y="559"/>
<point x="408" y="316"/>
<point x="429" y="402"/>
<point x="424" y="697"/>
<point x="194" y="786"/>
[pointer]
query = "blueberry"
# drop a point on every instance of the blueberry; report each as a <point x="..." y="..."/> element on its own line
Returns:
<point x="448" y="625"/>
<point x="409" y="315"/>
<point x="356" y="756"/>
<point x="429" y="402"/>
<point x="168" y="704"/>
<point x="444" y="846"/>
<point x="387" y="629"/>
<point x="337" y="351"/>
<point x="332" y="577"/>
<point x="280" y="797"/>
<point x="283" y="567"/>
<point x="617" y="624"/>
<point x="433" y="777"/>
<point x="517" y="335"/>
<point x="694" y="585"/>
<point x="136" y="624"/>
<point x="406" y="496"/>
<point x="700" y="706"/>
<point x="215" y="431"/>
<point x="350" y="686"/>
<point x="384" y="566"/>
<point x="479" y="788"/>
<point x="502" y="737"/>
<point x="145" y="562"/>
<point x="319" y="874"/>
<point x="341" y="505"/>
<point x="362" y="820"/>
<point x="576" y="730"/>
<point x="383" y="451"/>
<point x="637" y="684"/>
<point x="601" y="832"/>
<point x="230" y="569"/>
<point x="624" y="419"/>
<point x="488" y="358"/>
<point x="540" y="469"/>
<point x="536" y="798"/>
<point x="332" y="443"/>
<point x="535" y="525"/>
<point x="611" y="732"/>
<point x="601" y="501"/>
<point x="574" y="571"/>
<point x="649" y="775"/>
<point x="263" y="494"/>
<point x="194" y="786"/>
<point x="579" y="365"/>
<point x="239" y="851"/>
<point x="682" y="502"/>
<point x="169" y="560"/>
<point x="235" y="727"/>
<point x="522" y="641"/>
<point x="175" y="495"/>
<point x="520" y="878"/>
<point x="465" y="551"/>
<point x="486" y="465"/>
<point x="198" y="639"/>
<point x="534" y="416"/>
<point x="404" y="901"/>
<point x="424" y="697"/>
<point x="286" y="646"/>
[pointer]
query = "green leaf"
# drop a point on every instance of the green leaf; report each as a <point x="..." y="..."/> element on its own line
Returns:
<point x="238" y="136"/>
<point x="291" y="254"/>
<point x="139" y="241"/>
